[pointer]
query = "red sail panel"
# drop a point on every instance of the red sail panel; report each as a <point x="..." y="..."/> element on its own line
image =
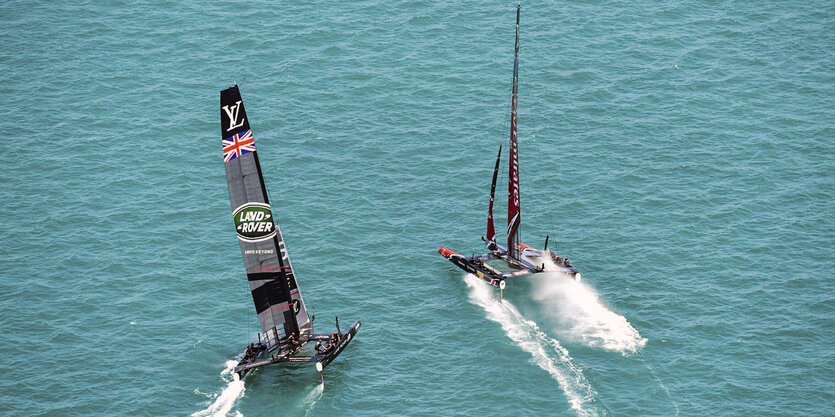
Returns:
<point x="513" y="209"/>
<point x="491" y="230"/>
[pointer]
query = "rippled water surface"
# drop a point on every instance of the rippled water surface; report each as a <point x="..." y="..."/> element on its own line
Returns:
<point x="680" y="154"/>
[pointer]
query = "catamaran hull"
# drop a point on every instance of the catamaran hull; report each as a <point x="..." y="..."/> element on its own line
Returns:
<point x="487" y="273"/>
<point x="475" y="265"/>
<point x="275" y="354"/>
<point x="346" y="338"/>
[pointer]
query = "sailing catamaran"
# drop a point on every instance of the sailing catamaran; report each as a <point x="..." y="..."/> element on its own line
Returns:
<point x="286" y="327"/>
<point x="519" y="256"/>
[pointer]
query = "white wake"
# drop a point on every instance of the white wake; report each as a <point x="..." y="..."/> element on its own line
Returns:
<point x="546" y="352"/>
<point x="574" y="310"/>
<point x="228" y="396"/>
<point x="312" y="398"/>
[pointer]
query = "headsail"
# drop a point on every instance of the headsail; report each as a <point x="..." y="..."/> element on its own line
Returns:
<point x="278" y="301"/>
<point x="491" y="230"/>
<point x="513" y="210"/>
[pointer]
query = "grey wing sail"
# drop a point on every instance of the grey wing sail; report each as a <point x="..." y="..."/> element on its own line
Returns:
<point x="275" y="292"/>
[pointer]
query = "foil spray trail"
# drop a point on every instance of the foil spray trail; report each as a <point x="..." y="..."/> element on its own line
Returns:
<point x="546" y="352"/>
<point x="312" y="398"/>
<point x="574" y="311"/>
<point x="228" y="396"/>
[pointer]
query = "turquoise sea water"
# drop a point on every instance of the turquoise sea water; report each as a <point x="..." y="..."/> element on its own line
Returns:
<point x="680" y="154"/>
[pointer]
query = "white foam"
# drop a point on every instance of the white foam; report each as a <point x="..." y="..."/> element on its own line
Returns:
<point x="312" y="398"/>
<point x="228" y="396"/>
<point x="576" y="312"/>
<point x="546" y="352"/>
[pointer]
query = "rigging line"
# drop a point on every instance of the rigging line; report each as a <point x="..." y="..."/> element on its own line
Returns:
<point x="501" y="21"/>
<point x="549" y="203"/>
<point x="508" y="104"/>
<point x="502" y="166"/>
<point x="506" y="133"/>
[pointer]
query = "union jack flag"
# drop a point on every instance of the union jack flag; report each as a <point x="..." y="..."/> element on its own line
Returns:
<point x="238" y="145"/>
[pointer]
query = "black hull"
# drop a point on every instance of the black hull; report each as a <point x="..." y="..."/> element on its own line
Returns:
<point x="475" y="265"/>
<point x="478" y="268"/>
<point x="260" y="355"/>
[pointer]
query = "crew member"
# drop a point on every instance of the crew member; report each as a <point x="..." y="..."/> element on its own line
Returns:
<point x="292" y="341"/>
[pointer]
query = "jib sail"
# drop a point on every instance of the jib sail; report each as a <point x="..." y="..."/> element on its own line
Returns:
<point x="491" y="230"/>
<point x="513" y="209"/>
<point x="278" y="301"/>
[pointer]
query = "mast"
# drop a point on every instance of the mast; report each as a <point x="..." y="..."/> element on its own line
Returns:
<point x="491" y="230"/>
<point x="278" y="300"/>
<point x="513" y="209"/>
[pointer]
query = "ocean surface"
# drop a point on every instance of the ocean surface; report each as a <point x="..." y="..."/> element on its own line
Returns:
<point x="682" y="154"/>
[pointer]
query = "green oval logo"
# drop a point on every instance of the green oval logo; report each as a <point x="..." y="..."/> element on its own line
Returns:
<point x="254" y="222"/>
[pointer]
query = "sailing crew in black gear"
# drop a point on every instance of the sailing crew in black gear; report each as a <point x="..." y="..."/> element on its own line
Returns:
<point x="292" y="341"/>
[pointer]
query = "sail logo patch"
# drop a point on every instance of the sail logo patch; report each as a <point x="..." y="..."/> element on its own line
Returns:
<point x="233" y="111"/>
<point x="237" y="145"/>
<point x="254" y="222"/>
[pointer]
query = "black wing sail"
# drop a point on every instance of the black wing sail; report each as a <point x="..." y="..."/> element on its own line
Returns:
<point x="278" y="301"/>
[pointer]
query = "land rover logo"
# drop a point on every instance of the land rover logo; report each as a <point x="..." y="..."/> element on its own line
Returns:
<point x="254" y="222"/>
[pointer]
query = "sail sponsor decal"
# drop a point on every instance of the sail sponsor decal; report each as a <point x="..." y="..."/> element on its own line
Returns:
<point x="512" y="224"/>
<point x="259" y="252"/>
<point x="283" y="250"/>
<point x="254" y="222"/>
<point x="232" y="112"/>
<point x="238" y="145"/>
<point x="513" y="207"/>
